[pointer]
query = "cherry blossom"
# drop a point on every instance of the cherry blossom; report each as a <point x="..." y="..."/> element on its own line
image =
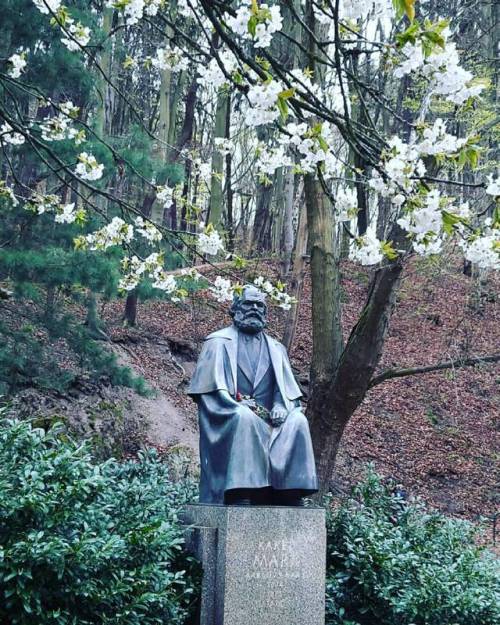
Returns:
<point x="493" y="187"/>
<point x="18" y="63"/>
<point x="367" y="250"/>
<point x="116" y="232"/>
<point x="88" y="168"/>
<point x="45" y="6"/>
<point x="209" y="241"/>
<point x="222" y="289"/>
<point x="8" y="135"/>
<point x="263" y="100"/>
<point x="80" y="35"/>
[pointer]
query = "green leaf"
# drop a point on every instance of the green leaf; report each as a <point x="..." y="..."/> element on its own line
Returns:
<point x="409" y="35"/>
<point x="283" y="108"/>
<point x="434" y="37"/>
<point x="404" y="7"/>
<point x="252" y="25"/>
<point x="288" y="93"/>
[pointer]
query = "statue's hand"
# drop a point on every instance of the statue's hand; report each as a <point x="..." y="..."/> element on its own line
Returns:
<point x="278" y="415"/>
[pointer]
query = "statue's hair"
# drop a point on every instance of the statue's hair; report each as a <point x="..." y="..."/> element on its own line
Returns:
<point x="237" y="299"/>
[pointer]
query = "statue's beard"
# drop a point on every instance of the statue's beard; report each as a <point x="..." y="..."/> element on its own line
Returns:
<point x="251" y="322"/>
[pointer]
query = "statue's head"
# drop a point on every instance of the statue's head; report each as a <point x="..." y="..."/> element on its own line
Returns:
<point x="249" y="310"/>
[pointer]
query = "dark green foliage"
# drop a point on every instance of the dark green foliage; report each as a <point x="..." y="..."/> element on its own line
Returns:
<point x="392" y="563"/>
<point x="86" y="543"/>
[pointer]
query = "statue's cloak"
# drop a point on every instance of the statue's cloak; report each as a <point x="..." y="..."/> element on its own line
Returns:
<point x="237" y="448"/>
<point x="217" y="368"/>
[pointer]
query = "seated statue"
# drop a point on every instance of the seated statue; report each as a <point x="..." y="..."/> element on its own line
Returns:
<point x="255" y="445"/>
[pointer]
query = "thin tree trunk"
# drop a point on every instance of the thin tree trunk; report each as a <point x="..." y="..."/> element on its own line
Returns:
<point x="296" y="281"/>
<point x="130" y="312"/>
<point x="216" y="192"/>
<point x="288" y="222"/>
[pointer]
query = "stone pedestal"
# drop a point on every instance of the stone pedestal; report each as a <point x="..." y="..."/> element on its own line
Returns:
<point x="261" y="565"/>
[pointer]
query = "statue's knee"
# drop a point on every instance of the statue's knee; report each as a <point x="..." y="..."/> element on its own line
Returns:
<point x="298" y="418"/>
<point x="245" y="416"/>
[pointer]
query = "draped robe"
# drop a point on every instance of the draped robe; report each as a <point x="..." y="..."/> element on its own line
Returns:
<point x="238" y="449"/>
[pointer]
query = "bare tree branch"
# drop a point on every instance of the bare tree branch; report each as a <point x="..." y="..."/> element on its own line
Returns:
<point x="390" y="374"/>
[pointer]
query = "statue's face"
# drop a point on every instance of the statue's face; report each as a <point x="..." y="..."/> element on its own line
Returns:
<point x="250" y="313"/>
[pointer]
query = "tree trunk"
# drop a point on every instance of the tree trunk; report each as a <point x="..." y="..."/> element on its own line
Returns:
<point x="346" y="390"/>
<point x="297" y="278"/>
<point x="229" y="187"/>
<point x="325" y="295"/>
<point x="288" y="222"/>
<point x="261" y="236"/>
<point x="130" y="312"/>
<point x="92" y="321"/>
<point x="216" y="192"/>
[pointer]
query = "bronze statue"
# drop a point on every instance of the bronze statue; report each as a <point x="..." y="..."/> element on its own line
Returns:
<point x="255" y="445"/>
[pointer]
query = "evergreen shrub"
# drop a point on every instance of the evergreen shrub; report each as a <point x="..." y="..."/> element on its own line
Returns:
<point x="82" y="542"/>
<point x="391" y="562"/>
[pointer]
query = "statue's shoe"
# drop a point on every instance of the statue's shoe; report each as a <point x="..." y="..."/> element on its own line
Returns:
<point x="244" y="501"/>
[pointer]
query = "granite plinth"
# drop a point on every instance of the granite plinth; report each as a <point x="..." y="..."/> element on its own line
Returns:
<point x="261" y="565"/>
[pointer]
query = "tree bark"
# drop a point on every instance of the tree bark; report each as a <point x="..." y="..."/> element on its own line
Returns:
<point x="216" y="189"/>
<point x="130" y="312"/>
<point x="288" y="222"/>
<point x="325" y="295"/>
<point x="348" y="387"/>
<point x="297" y="277"/>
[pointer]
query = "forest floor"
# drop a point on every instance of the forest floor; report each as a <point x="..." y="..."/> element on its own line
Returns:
<point x="437" y="434"/>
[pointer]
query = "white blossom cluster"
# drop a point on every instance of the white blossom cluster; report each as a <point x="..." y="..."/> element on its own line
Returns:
<point x="484" y="251"/>
<point x="223" y="145"/>
<point x="45" y="6"/>
<point x="263" y="100"/>
<point x="367" y="250"/>
<point x="222" y="289"/>
<point x="493" y="187"/>
<point x="437" y="141"/>
<point x="313" y="147"/>
<point x="358" y="9"/>
<point x="190" y="272"/>
<point x="276" y="293"/>
<point x="88" y="168"/>
<point x="8" y="192"/>
<point x="8" y="135"/>
<point x="165" y="195"/>
<point x="211" y="76"/>
<point x="147" y="230"/>
<point x="134" y="10"/>
<point x="18" y="63"/>
<point x="170" y="58"/>
<point x="66" y="214"/>
<point x="152" y="266"/>
<point x="209" y="241"/>
<point x="425" y="223"/>
<point x="49" y="203"/>
<point x="346" y="202"/>
<point x="117" y="232"/>
<point x="271" y="159"/>
<point x="41" y="204"/>
<point x="442" y="68"/>
<point x="79" y="35"/>
<point x="267" y="20"/>
<point x="402" y="165"/>
<point x="59" y="128"/>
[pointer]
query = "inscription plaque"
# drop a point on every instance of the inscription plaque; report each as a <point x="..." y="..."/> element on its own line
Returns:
<point x="267" y="564"/>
